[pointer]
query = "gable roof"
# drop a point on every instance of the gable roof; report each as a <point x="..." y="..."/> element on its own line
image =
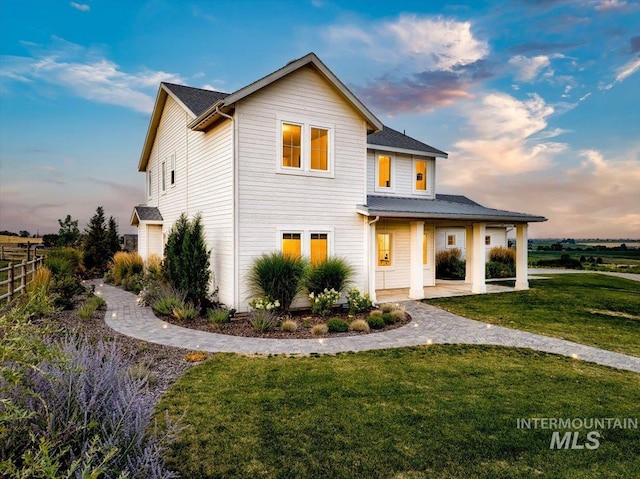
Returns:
<point x="197" y="100"/>
<point x="145" y="213"/>
<point x="452" y="207"/>
<point x="393" y="140"/>
<point x="312" y="60"/>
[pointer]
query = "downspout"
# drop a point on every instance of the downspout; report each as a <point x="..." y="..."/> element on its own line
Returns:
<point x="234" y="163"/>
<point x="371" y="270"/>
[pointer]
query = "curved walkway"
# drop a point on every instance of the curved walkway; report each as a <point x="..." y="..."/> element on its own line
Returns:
<point x="429" y="325"/>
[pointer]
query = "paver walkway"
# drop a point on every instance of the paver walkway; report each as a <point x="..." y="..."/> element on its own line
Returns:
<point x="429" y="325"/>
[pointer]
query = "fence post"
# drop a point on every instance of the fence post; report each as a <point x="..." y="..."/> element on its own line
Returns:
<point x="1" y="253"/>
<point x="10" y="284"/>
<point x="23" y="277"/>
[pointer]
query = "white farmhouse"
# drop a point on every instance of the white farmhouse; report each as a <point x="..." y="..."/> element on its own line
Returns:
<point x="295" y="162"/>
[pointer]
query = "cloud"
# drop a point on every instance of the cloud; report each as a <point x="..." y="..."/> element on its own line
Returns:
<point x="542" y="47"/>
<point x="80" y="6"/>
<point x="426" y="61"/>
<point x="88" y="75"/>
<point x="501" y="139"/>
<point x="527" y="69"/>
<point x="623" y="72"/>
<point x="605" y="5"/>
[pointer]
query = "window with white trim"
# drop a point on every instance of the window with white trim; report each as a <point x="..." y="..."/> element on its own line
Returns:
<point x="173" y="170"/>
<point x="452" y="240"/>
<point x="384" y="250"/>
<point x="318" y="247"/>
<point x="384" y="172"/>
<point x="420" y="173"/>
<point x="292" y="244"/>
<point x="149" y="183"/>
<point x="305" y="148"/>
<point x="163" y="179"/>
<point x="487" y="240"/>
<point x="314" y="244"/>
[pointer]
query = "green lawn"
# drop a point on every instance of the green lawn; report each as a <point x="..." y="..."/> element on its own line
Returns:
<point x="593" y="309"/>
<point x="437" y="411"/>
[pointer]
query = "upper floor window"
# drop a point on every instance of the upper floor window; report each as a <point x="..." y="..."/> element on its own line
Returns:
<point x="173" y="170"/>
<point x="306" y="147"/>
<point x="164" y="176"/>
<point x="420" y="171"/>
<point x="384" y="172"/>
<point x="291" y="145"/>
<point x="319" y="149"/>
<point x="149" y="183"/>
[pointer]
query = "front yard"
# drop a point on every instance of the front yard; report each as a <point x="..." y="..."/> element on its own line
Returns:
<point x="592" y="309"/>
<point x="438" y="411"/>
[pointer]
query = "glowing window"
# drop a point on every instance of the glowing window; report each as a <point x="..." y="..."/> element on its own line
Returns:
<point x="292" y="244"/>
<point x="421" y="175"/>
<point x="384" y="172"/>
<point x="451" y="240"/>
<point x="319" y="247"/>
<point x="319" y="149"/>
<point x="291" y="145"/>
<point x="425" y="256"/>
<point x="384" y="249"/>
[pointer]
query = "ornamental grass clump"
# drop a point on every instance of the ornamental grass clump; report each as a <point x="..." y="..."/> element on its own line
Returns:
<point x="289" y="326"/>
<point x="359" y="325"/>
<point x="92" y="304"/>
<point x="322" y="303"/>
<point x="330" y="274"/>
<point x="319" y="330"/>
<point x="262" y="320"/>
<point x="125" y="265"/>
<point x="279" y="277"/>
<point x="185" y="312"/>
<point x="219" y="316"/>
<point x="449" y="264"/>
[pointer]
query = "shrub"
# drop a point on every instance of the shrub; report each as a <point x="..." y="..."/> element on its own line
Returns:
<point x="64" y="289"/>
<point x="356" y="302"/>
<point x="388" y="318"/>
<point x="500" y="254"/>
<point x="91" y="304"/>
<point x="359" y="325"/>
<point x="332" y="273"/>
<point x="153" y="268"/>
<point x="185" y="312"/>
<point x="565" y="261"/>
<point x="167" y="301"/>
<point x="264" y="302"/>
<point x="95" y="244"/>
<point x="65" y="260"/>
<point x="279" y="277"/>
<point x="187" y="259"/>
<point x="375" y="322"/>
<point x="322" y="303"/>
<point x="262" y="320"/>
<point x="499" y="270"/>
<point x="39" y="302"/>
<point x="449" y="265"/>
<point x="319" y="330"/>
<point x="289" y="326"/>
<point x="219" y="316"/>
<point x="337" y="325"/>
<point x="125" y="265"/>
<point x="133" y="283"/>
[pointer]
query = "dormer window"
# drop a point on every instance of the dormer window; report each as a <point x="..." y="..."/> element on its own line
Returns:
<point x="420" y="171"/>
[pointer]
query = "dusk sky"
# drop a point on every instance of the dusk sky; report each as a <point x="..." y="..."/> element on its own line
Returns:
<point x="536" y="102"/>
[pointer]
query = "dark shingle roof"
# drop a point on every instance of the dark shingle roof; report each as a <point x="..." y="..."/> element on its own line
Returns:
<point x="196" y="99"/>
<point x="147" y="213"/>
<point x="443" y="207"/>
<point x="390" y="137"/>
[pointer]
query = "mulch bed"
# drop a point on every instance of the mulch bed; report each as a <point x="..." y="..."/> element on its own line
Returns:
<point x="241" y="325"/>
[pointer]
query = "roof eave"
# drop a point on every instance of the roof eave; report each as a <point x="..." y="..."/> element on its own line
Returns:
<point x="209" y="116"/>
<point x="394" y="149"/>
<point x="363" y="210"/>
<point x="156" y="115"/>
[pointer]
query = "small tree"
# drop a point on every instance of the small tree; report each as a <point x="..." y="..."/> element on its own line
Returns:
<point x="113" y="240"/>
<point x="68" y="234"/>
<point x="96" y="248"/>
<point x="187" y="259"/>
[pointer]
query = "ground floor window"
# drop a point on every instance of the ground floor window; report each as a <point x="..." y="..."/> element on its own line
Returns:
<point x="319" y="247"/>
<point x="425" y="255"/>
<point x="384" y="249"/>
<point x="292" y="244"/>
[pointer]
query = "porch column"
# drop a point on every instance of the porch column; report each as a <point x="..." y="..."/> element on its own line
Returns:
<point x="522" y="276"/>
<point x="416" y="271"/>
<point x="468" y="248"/>
<point x="478" y="284"/>
<point x="373" y="261"/>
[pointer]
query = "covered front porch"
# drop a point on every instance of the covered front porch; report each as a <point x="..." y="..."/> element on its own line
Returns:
<point x="404" y="235"/>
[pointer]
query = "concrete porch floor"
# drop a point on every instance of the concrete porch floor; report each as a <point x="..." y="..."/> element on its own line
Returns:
<point x="442" y="289"/>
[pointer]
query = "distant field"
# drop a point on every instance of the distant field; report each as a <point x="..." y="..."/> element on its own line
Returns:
<point x="8" y="240"/>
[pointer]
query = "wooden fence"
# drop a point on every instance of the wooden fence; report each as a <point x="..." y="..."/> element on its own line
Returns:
<point x="18" y="276"/>
<point x="18" y="253"/>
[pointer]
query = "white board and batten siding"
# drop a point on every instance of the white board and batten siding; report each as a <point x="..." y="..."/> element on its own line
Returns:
<point x="203" y="184"/>
<point x="270" y="201"/>
<point x="402" y="172"/>
<point x="498" y="238"/>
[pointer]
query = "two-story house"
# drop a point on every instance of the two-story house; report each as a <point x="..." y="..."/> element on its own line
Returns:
<point x="295" y="162"/>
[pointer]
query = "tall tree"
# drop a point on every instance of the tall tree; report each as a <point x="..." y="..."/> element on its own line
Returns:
<point x="68" y="234"/>
<point x="113" y="240"/>
<point x="96" y="247"/>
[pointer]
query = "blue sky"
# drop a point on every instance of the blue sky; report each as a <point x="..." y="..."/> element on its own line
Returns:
<point x="536" y="102"/>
